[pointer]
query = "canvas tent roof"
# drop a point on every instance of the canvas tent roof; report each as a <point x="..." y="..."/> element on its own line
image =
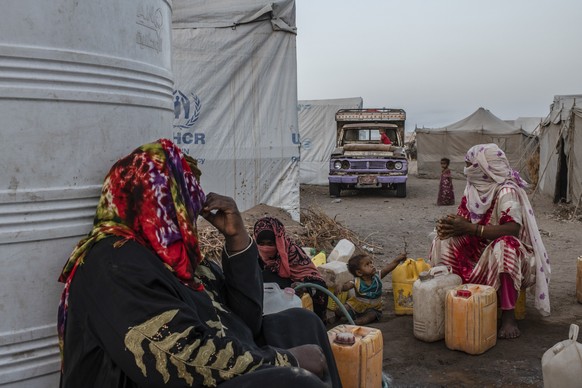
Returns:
<point x="480" y="120"/>
<point x="453" y="141"/>
<point x="529" y="125"/>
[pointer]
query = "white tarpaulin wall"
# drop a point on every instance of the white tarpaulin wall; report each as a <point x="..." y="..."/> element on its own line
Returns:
<point x="235" y="101"/>
<point x="454" y="140"/>
<point x="317" y="130"/>
<point x="560" y="141"/>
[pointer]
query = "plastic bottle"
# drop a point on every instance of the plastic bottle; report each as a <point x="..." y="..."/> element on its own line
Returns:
<point x="335" y="273"/>
<point x="357" y="351"/>
<point x="471" y="318"/>
<point x="319" y="259"/>
<point x="403" y="277"/>
<point x="343" y="251"/>
<point x="275" y="299"/>
<point x="429" y="292"/>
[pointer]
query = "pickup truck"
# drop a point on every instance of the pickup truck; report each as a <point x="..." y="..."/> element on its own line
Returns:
<point x="360" y="159"/>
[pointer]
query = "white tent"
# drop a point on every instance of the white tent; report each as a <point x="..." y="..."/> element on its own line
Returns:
<point x="235" y="101"/>
<point x="317" y="130"/>
<point x="530" y="125"/>
<point x="561" y="150"/>
<point x="454" y="140"/>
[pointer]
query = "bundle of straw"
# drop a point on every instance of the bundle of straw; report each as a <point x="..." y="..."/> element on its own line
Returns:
<point x="316" y="230"/>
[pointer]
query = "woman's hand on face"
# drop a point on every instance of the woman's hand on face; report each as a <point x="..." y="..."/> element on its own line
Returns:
<point x="311" y="358"/>
<point x="221" y="211"/>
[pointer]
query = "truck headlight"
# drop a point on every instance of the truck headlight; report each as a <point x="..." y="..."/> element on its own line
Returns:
<point x="398" y="165"/>
<point x="345" y="164"/>
<point x="390" y="165"/>
<point x="337" y="164"/>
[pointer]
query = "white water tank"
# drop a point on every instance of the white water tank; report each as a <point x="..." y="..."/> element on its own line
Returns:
<point x="82" y="83"/>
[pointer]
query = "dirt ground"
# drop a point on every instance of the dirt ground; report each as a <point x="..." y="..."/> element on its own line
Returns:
<point x="388" y="221"/>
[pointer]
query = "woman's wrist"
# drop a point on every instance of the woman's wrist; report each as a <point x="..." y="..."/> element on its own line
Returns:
<point x="238" y="242"/>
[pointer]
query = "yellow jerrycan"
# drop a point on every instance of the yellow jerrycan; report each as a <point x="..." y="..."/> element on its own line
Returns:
<point x="307" y="301"/>
<point x="471" y="318"/>
<point x="357" y="351"/>
<point x="403" y="278"/>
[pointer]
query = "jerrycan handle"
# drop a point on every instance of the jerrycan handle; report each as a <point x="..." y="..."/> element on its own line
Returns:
<point x="464" y="293"/>
<point x="440" y="270"/>
<point x="574" y="331"/>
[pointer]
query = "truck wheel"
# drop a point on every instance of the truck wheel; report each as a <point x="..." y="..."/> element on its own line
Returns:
<point x="334" y="190"/>
<point x="401" y="190"/>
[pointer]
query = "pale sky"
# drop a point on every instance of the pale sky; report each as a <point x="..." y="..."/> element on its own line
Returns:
<point x="441" y="60"/>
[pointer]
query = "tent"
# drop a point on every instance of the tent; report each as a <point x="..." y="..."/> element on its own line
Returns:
<point x="317" y="131"/>
<point x="560" y="141"/>
<point x="235" y="97"/>
<point x="455" y="139"/>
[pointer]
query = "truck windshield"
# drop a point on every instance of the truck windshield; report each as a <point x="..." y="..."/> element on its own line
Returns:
<point x="367" y="134"/>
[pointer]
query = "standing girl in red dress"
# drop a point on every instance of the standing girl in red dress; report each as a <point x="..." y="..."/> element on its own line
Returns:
<point x="446" y="192"/>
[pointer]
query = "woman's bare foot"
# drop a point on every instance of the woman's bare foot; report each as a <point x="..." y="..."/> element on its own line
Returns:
<point x="508" y="329"/>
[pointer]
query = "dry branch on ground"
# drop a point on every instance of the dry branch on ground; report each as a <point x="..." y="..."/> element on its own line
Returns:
<point x="316" y="230"/>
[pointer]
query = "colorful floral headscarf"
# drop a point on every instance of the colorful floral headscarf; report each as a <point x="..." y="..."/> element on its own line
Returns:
<point x="153" y="197"/>
<point x="288" y="260"/>
<point x="489" y="172"/>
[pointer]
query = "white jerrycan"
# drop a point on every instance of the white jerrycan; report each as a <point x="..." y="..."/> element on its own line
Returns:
<point x="429" y="292"/>
<point x="562" y="363"/>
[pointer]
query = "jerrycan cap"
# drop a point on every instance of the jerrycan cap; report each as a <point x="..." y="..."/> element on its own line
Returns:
<point x="464" y="293"/>
<point x="345" y="338"/>
<point x="288" y="292"/>
<point x="425" y="275"/>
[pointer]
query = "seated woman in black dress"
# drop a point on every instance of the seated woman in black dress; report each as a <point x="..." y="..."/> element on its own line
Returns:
<point x="141" y="307"/>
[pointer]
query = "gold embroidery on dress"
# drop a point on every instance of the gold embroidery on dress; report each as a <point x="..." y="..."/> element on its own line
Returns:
<point x="136" y="334"/>
<point x="204" y="271"/>
<point x="218" y="306"/>
<point x="218" y="326"/>
<point x="161" y="361"/>
<point x="282" y="360"/>
<point x="241" y="364"/>
<point x="182" y="372"/>
<point x="202" y="359"/>
<point x="165" y="344"/>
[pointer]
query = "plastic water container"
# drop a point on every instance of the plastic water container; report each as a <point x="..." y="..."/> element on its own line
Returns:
<point x="319" y="259"/>
<point x="342" y="296"/>
<point x="403" y="278"/>
<point x="562" y="363"/>
<point x="358" y="355"/>
<point x="335" y="273"/>
<point x="307" y="301"/>
<point x="429" y="292"/>
<point x="275" y="299"/>
<point x="519" y="307"/>
<point x="343" y="251"/>
<point x="579" y="280"/>
<point x="309" y="251"/>
<point x="471" y="318"/>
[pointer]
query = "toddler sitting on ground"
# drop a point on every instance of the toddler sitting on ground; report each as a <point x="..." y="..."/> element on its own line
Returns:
<point x="366" y="305"/>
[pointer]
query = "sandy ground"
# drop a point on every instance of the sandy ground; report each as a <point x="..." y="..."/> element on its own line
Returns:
<point x="388" y="221"/>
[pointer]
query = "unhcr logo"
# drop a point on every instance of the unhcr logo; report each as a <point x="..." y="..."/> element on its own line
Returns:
<point x="186" y="113"/>
<point x="186" y="109"/>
